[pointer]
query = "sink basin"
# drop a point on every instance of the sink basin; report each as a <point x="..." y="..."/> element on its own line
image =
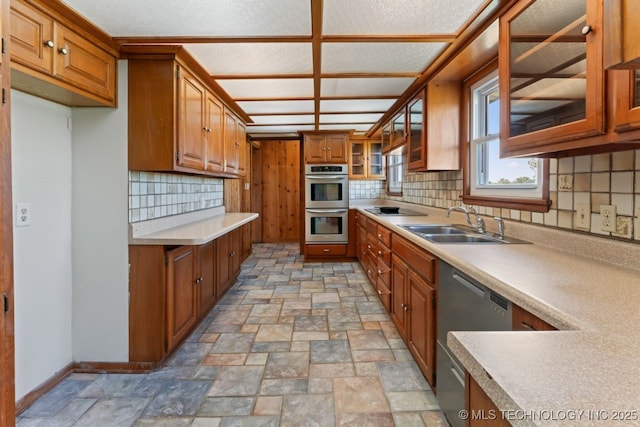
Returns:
<point x="462" y="238"/>
<point x="446" y="233"/>
<point x="434" y="229"/>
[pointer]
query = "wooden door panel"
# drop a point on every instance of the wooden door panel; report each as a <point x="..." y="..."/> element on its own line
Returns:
<point x="207" y="288"/>
<point x="215" y="137"/>
<point x="85" y="65"/>
<point x="422" y="339"/>
<point x="190" y="122"/>
<point x="399" y="279"/>
<point x="181" y="312"/>
<point x="337" y="148"/>
<point x="31" y="31"/>
<point x="230" y="148"/>
<point x="315" y="149"/>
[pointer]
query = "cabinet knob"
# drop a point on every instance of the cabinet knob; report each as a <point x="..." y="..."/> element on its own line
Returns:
<point x="405" y="307"/>
<point x="586" y="29"/>
<point x="232" y="254"/>
<point x="379" y="272"/>
<point x="379" y="252"/>
<point x="48" y="43"/>
<point x="326" y="250"/>
<point x="63" y="50"/>
<point x="379" y="292"/>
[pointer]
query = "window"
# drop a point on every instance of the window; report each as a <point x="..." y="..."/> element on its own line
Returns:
<point x="517" y="183"/>
<point x="394" y="175"/>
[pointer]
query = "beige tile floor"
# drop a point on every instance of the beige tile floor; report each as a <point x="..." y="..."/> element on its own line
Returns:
<point x="291" y="344"/>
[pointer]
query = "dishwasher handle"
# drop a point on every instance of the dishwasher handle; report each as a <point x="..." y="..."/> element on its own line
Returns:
<point x="476" y="289"/>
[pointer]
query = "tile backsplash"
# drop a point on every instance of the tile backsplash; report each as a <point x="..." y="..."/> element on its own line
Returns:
<point x="366" y="189"/>
<point x="155" y="195"/>
<point x="592" y="180"/>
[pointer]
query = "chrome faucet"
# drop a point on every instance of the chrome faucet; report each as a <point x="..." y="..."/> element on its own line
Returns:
<point x="500" y="227"/>
<point x="479" y="225"/>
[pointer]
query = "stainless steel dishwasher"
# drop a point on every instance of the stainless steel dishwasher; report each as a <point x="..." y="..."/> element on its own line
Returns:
<point x="463" y="305"/>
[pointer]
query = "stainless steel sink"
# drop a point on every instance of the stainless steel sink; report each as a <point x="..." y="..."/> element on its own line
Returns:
<point x="462" y="238"/>
<point x="439" y="233"/>
<point x="434" y="229"/>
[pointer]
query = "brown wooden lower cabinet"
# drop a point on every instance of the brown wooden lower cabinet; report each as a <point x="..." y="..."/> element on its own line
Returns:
<point x="522" y="320"/>
<point x="173" y="287"/>
<point x="206" y="286"/>
<point x="181" y="293"/>
<point x="482" y="411"/>
<point x="404" y="276"/>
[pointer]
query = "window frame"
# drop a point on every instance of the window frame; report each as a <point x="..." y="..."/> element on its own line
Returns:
<point x="391" y="164"/>
<point x="532" y="204"/>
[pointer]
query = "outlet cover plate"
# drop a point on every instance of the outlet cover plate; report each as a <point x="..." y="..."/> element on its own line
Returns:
<point x="608" y="218"/>
<point x="23" y="214"/>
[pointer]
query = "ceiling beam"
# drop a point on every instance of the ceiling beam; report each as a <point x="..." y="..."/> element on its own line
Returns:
<point x="210" y="39"/>
<point x="316" y="45"/>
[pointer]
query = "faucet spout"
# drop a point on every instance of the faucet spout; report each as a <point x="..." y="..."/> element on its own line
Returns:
<point x="479" y="225"/>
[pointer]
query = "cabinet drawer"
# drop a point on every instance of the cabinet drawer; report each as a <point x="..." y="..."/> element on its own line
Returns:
<point x="372" y="245"/>
<point x="362" y="220"/>
<point x="384" y="236"/>
<point x="371" y="270"/>
<point x="326" y="250"/>
<point x="372" y="227"/>
<point x="421" y="261"/>
<point x="384" y="273"/>
<point x="384" y="254"/>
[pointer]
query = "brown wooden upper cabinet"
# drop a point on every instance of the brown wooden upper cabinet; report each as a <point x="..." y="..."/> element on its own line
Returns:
<point x="434" y="128"/>
<point x="551" y="76"/>
<point x="325" y="147"/>
<point x="397" y="129"/>
<point x="627" y="99"/>
<point x="235" y="143"/>
<point x="621" y="35"/>
<point x="165" y="95"/>
<point x="365" y="159"/>
<point x="47" y="55"/>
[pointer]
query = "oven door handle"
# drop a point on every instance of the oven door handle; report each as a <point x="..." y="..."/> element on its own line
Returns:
<point x="326" y="211"/>
<point x="332" y="177"/>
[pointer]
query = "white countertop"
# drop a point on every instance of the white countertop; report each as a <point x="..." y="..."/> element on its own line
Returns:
<point x="594" y="364"/>
<point x="195" y="228"/>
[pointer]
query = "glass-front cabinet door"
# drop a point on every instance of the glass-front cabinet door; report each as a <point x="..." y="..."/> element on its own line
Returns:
<point x="627" y="99"/>
<point x="357" y="165"/>
<point x="417" y="137"/>
<point x="551" y="75"/>
<point x="376" y="160"/>
<point x="398" y="130"/>
<point x="386" y="137"/>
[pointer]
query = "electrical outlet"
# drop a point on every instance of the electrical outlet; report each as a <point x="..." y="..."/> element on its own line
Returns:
<point x="608" y="218"/>
<point x="583" y="216"/>
<point x="23" y="214"/>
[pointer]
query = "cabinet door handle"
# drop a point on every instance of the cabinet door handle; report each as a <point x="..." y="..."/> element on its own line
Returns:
<point x="379" y="252"/>
<point x="586" y="29"/>
<point x="379" y="292"/>
<point x="49" y="43"/>
<point x="63" y="51"/>
<point x="232" y="254"/>
<point x="326" y="250"/>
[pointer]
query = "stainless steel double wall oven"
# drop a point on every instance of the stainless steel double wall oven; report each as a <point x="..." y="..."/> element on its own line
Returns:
<point x="326" y="203"/>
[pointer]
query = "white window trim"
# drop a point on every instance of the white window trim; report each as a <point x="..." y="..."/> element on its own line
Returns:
<point x="530" y="191"/>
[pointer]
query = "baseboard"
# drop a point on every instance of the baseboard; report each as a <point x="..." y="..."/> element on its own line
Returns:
<point x="37" y="392"/>
<point x="113" y="367"/>
<point x="82" y="367"/>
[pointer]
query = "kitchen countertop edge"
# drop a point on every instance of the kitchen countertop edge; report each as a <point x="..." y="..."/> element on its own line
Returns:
<point x="196" y="232"/>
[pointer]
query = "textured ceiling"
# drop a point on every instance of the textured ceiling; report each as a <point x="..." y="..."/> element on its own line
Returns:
<point x="298" y="64"/>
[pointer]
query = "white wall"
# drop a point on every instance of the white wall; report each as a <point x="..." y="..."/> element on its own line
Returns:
<point x="41" y="157"/>
<point x="100" y="231"/>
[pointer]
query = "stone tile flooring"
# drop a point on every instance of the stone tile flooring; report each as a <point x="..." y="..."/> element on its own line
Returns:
<point x="291" y="344"/>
